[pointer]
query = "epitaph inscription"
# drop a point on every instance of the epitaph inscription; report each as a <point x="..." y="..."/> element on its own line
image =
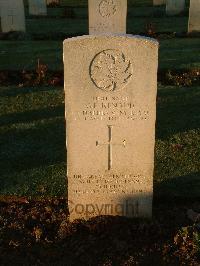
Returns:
<point x="110" y="70"/>
<point x="111" y="183"/>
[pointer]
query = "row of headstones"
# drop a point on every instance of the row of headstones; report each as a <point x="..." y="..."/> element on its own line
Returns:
<point x="118" y="21"/>
<point x="39" y="7"/>
<point x="175" y="7"/>
<point x="13" y="17"/>
<point x="12" y="13"/>
<point x="110" y="110"/>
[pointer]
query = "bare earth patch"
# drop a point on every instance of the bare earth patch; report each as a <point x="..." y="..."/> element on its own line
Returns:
<point x="37" y="232"/>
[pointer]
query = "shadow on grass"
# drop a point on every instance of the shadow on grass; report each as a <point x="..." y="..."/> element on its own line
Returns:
<point x="33" y="115"/>
<point x="182" y="188"/>
<point x="178" y="111"/>
<point x="14" y="91"/>
<point x="42" y="144"/>
<point x="36" y="138"/>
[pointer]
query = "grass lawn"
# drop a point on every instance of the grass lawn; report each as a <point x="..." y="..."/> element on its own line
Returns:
<point x="85" y="2"/>
<point x="181" y="53"/>
<point x="135" y="25"/>
<point x="130" y="2"/>
<point x="82" y="12"/>
<point x="32" y="133"/>
<point x="74" y="18"/>
<point x="24" y="54"/>
<point x="32" y="139"/>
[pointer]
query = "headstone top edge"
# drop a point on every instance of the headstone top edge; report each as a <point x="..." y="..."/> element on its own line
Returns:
<point x="122" y="36"/>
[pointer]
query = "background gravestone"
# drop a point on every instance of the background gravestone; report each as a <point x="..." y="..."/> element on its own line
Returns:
<point x="37" y="7"/>
<point x="52" y="1"/>
<point x="110" y="87"/>
<point x="159" y="2"/>
<point x="175" y="7"/>
<point x="194" y="16"/>
<point x="12" y="15"/>
<point x="107" y="16"/>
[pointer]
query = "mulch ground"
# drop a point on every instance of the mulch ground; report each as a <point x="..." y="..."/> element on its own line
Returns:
<point x="38" y="232"/>
<point x="43" y="76"/>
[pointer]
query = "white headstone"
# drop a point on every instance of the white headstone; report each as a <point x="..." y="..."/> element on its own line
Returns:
<point x="37" y="7"/>
<point x="110" y="95"/>
<point x="194" y="16"/>
<point x="12" y="15"/>
<point x="175" y="7"/>
<point x="159" y="2"/>
<point x="107" y="16"/>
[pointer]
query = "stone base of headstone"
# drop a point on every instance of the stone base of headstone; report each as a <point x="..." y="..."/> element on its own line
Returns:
<point x="110" y="96"/>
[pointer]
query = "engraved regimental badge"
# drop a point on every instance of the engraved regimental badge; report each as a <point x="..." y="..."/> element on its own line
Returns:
<point x="107" y="8"/>
<point x="110" y="70"/>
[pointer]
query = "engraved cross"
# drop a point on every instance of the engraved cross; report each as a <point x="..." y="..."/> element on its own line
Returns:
<point x="110" y="145"/>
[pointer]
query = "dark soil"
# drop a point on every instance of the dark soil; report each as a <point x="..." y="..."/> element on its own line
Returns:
<point x="38" y="232"/>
